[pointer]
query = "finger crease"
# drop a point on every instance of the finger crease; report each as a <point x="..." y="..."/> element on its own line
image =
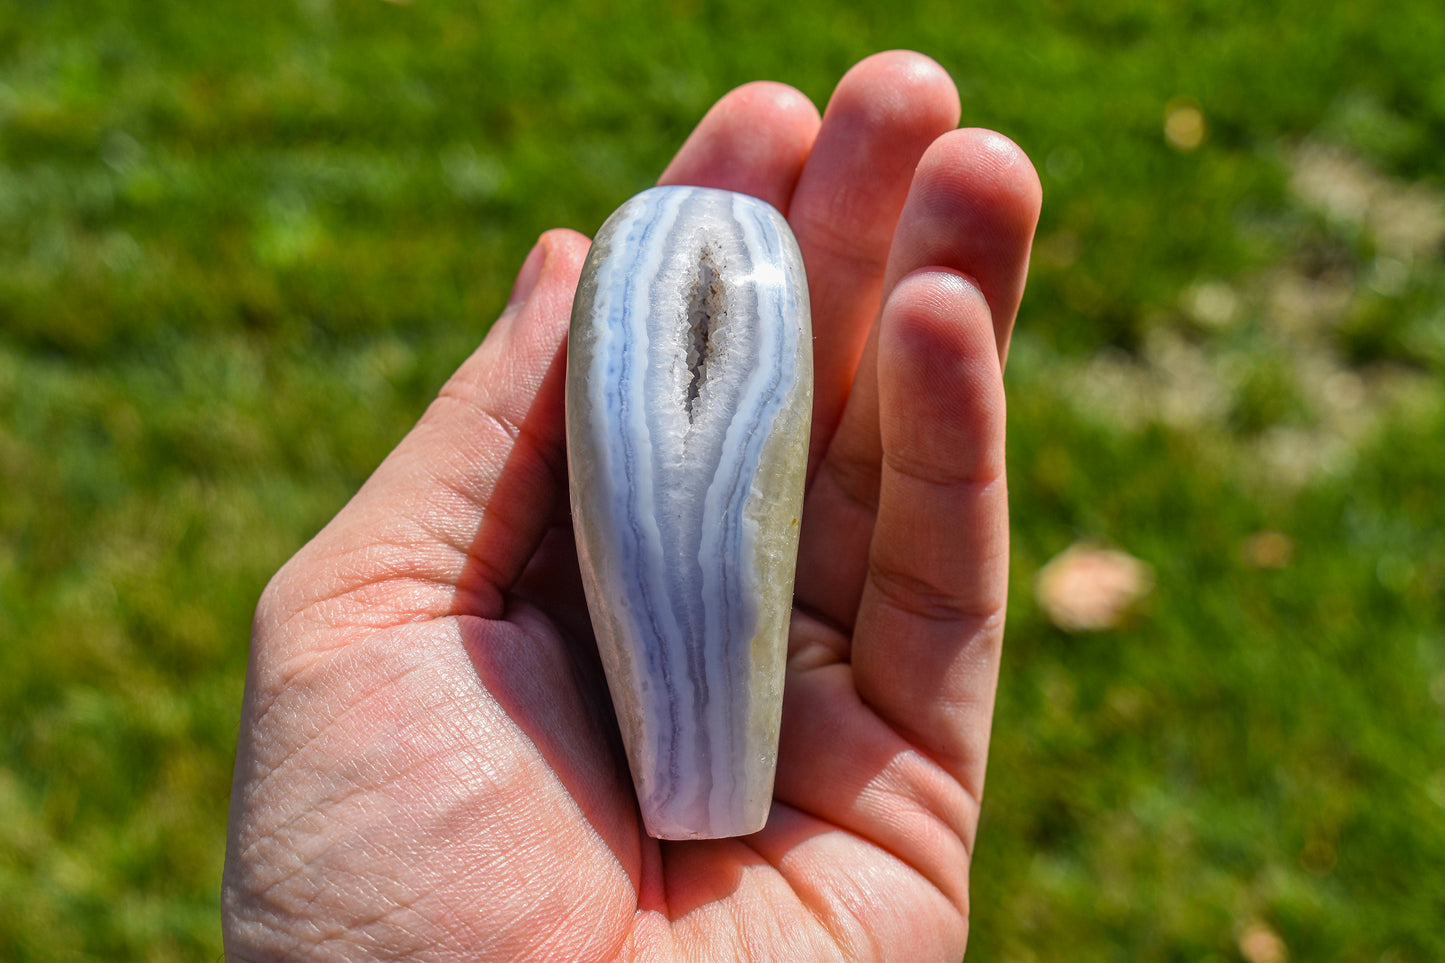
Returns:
<point x="857" y="478"/>
<point x="855" y="250"/>
<point x="923" y="599"/>
<point x="939" y="476"/>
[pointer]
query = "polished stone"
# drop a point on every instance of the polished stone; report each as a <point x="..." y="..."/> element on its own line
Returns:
<point x="689" y="400"/>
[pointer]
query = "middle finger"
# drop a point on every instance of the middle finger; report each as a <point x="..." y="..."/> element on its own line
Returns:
<point x="881" y="118"/>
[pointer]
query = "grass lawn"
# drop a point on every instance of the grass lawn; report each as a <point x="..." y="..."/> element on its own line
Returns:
<point x="241" y="246"/>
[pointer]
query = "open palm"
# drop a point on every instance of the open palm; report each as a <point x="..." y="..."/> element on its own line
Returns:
<point x="428" y="768"/>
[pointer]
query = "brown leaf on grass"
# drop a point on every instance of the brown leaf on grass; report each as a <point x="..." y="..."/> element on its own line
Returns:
<point x="1088" y="588"/>
<point x="1260" y="944"/>
<point x="1267" y="549"/>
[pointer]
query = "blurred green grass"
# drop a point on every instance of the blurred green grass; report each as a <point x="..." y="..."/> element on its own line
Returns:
<point x="241" y="245"/>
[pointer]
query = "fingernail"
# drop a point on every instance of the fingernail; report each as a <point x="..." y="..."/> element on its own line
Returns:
<point x="528" y="275"/>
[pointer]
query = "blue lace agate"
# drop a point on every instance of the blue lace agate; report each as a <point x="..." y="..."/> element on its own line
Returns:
<point x="689" y="400"/>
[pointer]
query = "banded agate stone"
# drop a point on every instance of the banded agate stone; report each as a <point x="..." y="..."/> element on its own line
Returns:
<point x="689" y="399"/>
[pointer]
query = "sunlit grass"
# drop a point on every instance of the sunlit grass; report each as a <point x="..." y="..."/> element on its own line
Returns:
<point x="241" y="246"/>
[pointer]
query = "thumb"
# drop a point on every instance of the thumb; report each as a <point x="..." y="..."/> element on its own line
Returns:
<point x="448" y="521"/>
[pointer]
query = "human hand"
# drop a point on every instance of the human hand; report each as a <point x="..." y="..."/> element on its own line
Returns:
<point x="428" y="768"/>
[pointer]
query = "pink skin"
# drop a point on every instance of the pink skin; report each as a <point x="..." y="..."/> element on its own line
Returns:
<point x="427" y="768"/>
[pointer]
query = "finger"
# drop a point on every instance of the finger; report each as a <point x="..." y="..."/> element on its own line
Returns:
<point x="448" y="521"/>
<point x="972" y="209"/>
<point x="926" y="643"/>
<point x="983" y="181"/>
<point x="754" y="140"/>
<point x="883" y="115"/>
